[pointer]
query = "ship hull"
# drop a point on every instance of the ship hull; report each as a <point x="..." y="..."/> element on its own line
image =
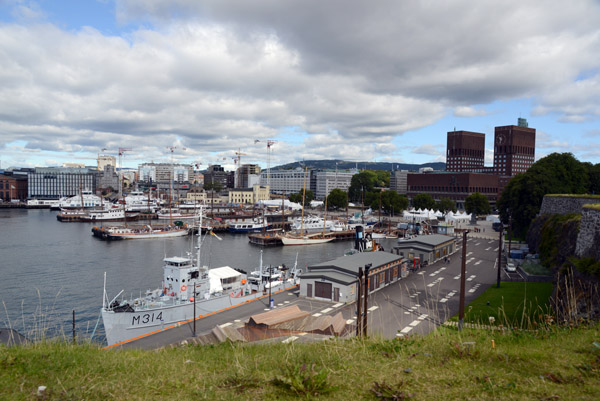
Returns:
<point x="123" y="327"/>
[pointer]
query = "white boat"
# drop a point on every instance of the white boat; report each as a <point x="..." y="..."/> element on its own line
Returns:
<point x="312" y="224"/>
<point x="140" y="232"/>
<point x="246" y="226"/>
<point x="291" y="239"/>
<point x="187" y="287"/>
<point x="108" y="214"/>
<point x="85" y="199"/>
<point x="137" y="201"/>
<point x="177" y="214"/>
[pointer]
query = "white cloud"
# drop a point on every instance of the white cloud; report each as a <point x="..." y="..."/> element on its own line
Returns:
<point x="467" y="111"/>
<point x="433" y="150"/>
<point x="213" y="76"/>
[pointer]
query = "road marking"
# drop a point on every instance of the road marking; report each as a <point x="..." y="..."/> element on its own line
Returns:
<point x="475" y="288"/>
<point x="443" y="300"/>
<point x="437" y="280"/>
<point x="477" y="243"/>
<point x="326" y="310"/>
<point x="471" y="277"/>
<point x="317" y="314"/>
<point x="407" y="313"/>
<point x="225" y="324"/>
<point x="469" y="260"/>
<point x="417" y="306"/>
<point x="478" y="262"/>
<point x="469" y="253"/>
<point x="456" y="277"/>
<point x="406" y="330"/>
<point x="289" y="340"/>
<point x="423" y="316"/>
<point x="237" y="320"/>
<point x="337" y="305"/>
<point x="286" y="302"/>
<point x="279" y="304"/>
<point x="496" y="250"/>
<point x="372" y="308"/>
<point x="488" y="248"/>
<point x="350" y="321"/>
<point x="415" y="323"/>
<point x="421" y="273"/>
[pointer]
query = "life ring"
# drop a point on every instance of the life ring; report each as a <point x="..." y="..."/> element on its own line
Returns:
<point x="183" y="287"/>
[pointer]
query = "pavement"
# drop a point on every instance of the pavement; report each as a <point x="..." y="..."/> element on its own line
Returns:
<point x="416" y="304"/>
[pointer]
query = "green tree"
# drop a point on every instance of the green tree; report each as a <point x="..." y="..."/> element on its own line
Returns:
<point x="478" y="204"/>
<point x="297" y="197"/>
<point x="445" y="205"/>
<point x="392" y="202"/>
<point x="213" y="186"/>
<point x="337" y="199"/>
<point x="557" y="173"/>
<point x="360" y="184"/>
<point x="383" y="178"/>
<point x="423" y="201"/>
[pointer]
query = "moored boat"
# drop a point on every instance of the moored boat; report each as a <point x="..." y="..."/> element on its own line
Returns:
<point x="189" y="291"/>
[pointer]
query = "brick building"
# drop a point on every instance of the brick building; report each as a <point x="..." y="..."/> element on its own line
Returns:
<point x="514" y="153"/>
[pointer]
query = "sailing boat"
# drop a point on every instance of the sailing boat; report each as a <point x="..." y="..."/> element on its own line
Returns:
<point x="302" y="238"/>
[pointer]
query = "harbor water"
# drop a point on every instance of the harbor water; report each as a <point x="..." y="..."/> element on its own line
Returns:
<point x="49" y="269"/>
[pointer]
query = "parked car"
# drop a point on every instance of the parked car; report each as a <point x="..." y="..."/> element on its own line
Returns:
<point x="510" y="267"/>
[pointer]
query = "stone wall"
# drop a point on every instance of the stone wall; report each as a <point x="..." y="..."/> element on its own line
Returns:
<point x="588" y="239"/>
<point x="565" y="204"/>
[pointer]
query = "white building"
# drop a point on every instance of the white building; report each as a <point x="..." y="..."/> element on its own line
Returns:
<point x="286" y="182"/>
<point x="328" y="180"/>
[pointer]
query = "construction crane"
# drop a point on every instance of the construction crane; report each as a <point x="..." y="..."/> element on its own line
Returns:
<point x="270" y="142"/>
<point x="121" y="154"/>
<point x="239" y="155"/>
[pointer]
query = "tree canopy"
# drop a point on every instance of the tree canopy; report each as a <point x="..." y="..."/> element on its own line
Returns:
<point x="361" y="183"/>
<point x="477" y="203"/>
<point x="557" y="173"/>
<point x="423" y="201"/>
<point x="297" y="197"/>
<point x="337" y="199"/>
<point x="445" y="205"/>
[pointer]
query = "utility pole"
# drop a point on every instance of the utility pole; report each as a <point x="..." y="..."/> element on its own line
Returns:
<point x="359" y="302"/>
<point x="463" y="273"/>
<point x="366" y="296"/>
<point x="500" y="253"/>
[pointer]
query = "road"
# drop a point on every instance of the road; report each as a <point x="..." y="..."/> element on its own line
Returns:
<point x="414" y="305"/>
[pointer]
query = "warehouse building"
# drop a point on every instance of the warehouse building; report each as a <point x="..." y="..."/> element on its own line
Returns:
<point x="424" y="250"/>
<point x="336" y="280"/>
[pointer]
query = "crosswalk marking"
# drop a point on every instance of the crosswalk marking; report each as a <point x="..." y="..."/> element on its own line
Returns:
<point x="372" y="308"/>
<point x="488" y="248"/>
<point x="326" y="310"/>
<point x="337" y="305"/>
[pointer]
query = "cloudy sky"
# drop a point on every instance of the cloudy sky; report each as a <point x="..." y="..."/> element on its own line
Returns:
<point x="338" y="79"/>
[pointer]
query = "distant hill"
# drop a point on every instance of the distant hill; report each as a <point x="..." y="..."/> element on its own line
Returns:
<point x="343" y="165"/>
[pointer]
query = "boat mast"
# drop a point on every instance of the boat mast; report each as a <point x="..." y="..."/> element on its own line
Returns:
<point x="303" y="199"/>
<point x="325" y="218"/>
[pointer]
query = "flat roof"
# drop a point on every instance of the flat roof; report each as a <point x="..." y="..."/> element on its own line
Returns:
<point x="433" y="239"/>
<point x="351" y="263"/>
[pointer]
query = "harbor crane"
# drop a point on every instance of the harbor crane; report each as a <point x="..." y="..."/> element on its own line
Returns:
<point x="270" y="142"/>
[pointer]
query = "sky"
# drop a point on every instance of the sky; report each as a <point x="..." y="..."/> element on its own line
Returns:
<point x="197" y="81"/>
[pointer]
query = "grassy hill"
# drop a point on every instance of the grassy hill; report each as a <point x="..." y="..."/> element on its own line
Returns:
<point x="550" y="364"/>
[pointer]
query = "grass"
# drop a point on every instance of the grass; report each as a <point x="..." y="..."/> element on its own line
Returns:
<point x="559" y="363"/>
<point x="524" y="305"/>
